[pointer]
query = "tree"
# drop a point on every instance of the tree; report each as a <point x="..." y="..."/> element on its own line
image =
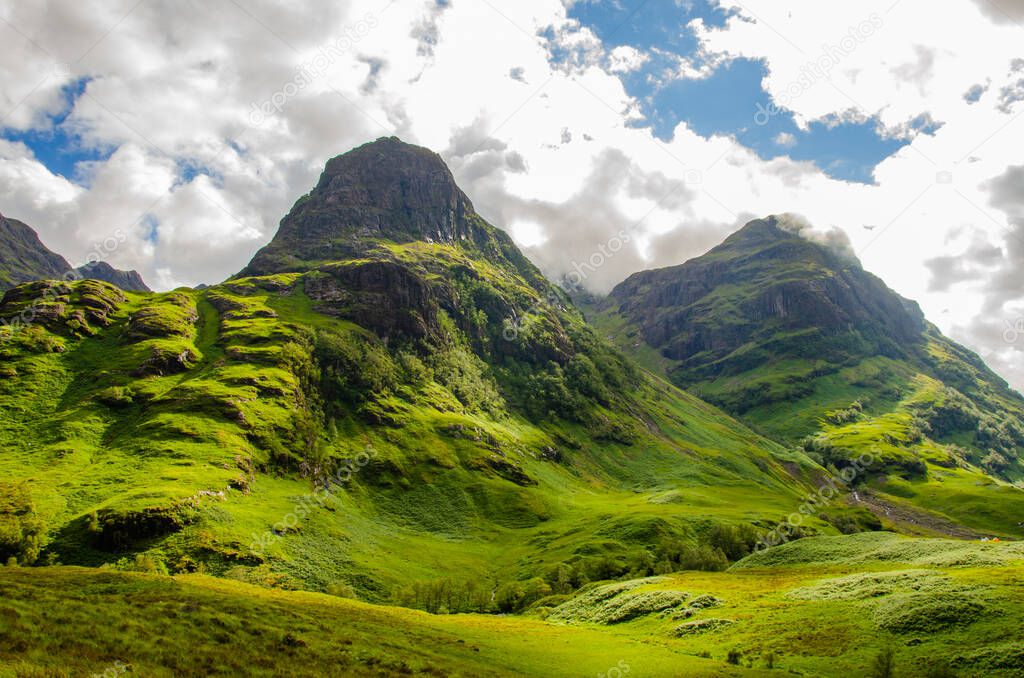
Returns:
<point x="508" y="596"/>
<point x="884" y="665"/>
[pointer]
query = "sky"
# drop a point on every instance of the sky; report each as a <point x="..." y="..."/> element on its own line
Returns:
<point x="172" y="137"/>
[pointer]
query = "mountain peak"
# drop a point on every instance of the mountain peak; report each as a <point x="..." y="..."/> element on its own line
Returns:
<point x="129" y="281"/>
<point x="784" y="279"/>
<point x="768" y="228"/>
<point x="384" y="190"/>
<point x="391" y="174"/>
<point x="791" y="236"/>
<point x="23" y="256"/>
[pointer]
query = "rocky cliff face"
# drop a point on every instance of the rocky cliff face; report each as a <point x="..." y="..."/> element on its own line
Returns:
<point x="761" y="282"/>
<point x="386" y="189"/>
<point x="389" y="241"/>
<point x="23" y="257"/>
<point x="129" y="281"/>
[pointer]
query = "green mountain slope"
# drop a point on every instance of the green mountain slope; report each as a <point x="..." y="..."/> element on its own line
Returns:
<point x="794" y="337"/>
<point x="404" y="402"/>
<point x="391" y="403"/>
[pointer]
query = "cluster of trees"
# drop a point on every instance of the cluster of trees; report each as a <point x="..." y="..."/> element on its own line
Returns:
<point x="721" y="545"/>
<point x="845" y="416"/>
<point x="22" y="531"/>
<point x="452" y="597"/>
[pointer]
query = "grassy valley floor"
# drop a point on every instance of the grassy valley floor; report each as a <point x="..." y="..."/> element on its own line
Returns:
<point x="826" y="606"/>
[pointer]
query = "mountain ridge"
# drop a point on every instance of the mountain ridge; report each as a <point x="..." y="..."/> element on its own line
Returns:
<point x="24" y="258"/>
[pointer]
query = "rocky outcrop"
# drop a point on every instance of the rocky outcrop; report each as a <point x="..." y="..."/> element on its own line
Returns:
<point x="383" y="190"/>
<point x="129" y="281"/>
<point x="383" y="296"/>
<point x="24" y="258"/>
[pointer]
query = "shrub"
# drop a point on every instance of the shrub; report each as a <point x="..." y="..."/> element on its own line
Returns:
<point x="445" y="596"/>
<point x="735" y="542"/>
<point x="703" y="558"/>
<point x="465" y="375"/>
<point x="699" y="626"/>
<point x="116" y="396"/>
<point x="352" y="367"/>
<point x="509" y="596"/>
<point x="884" y="664"/>
<point x="341" y="589"/>
<point x="142" y="562"/>
<point x="928" y="612"/>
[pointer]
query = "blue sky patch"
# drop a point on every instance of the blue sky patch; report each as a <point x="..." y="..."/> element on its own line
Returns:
<point x="54" y="145"/>
<point x="731" y="101"/>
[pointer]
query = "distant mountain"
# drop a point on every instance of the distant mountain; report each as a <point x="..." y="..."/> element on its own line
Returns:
<point x="787" y="331"/>
<point x="129" y="281"/>
<point x="23" y="257"/>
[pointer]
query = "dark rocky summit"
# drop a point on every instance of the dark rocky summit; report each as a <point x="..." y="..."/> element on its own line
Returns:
<point x="386" y="189"/>
<point x="766" y="285"/>
<point x="393" y="243"/>
<point x="23" y="257"/>
<point x="129" y="281"/>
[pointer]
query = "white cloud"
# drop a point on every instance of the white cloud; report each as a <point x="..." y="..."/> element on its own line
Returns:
<point x="626" y="59"/>
<point x="785" y="139"/>
<point x="174" y="87"/>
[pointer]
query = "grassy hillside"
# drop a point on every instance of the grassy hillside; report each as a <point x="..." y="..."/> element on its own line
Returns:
<point x="195" y="428"/>
<point x="392" y="406"/>
<point x="201" y="626"/>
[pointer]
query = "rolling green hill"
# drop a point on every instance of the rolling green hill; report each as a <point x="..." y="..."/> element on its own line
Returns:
<point x="827" y="606"/>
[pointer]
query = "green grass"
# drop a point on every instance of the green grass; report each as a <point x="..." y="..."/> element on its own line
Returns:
<point x="819" y="606"/>
<point x="201" y="626"/>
